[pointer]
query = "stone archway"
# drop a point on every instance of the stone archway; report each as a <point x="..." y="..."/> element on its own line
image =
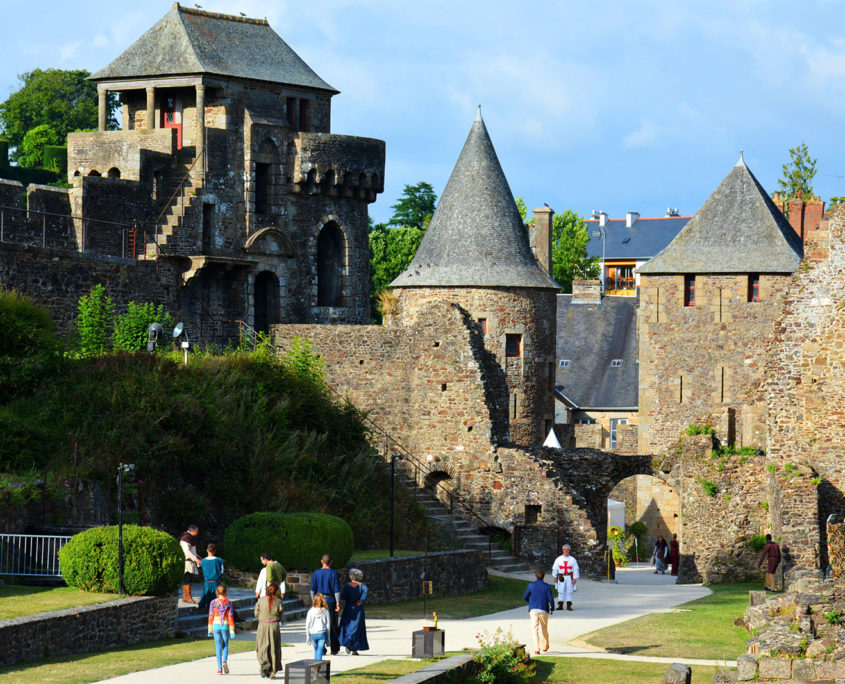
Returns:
<point x="653" y="501"/>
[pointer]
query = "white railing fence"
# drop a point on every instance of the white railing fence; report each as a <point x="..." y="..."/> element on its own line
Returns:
<point x="31" y="555"/>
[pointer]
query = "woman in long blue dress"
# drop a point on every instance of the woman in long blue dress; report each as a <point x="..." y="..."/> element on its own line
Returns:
<point x="353" y="628"/>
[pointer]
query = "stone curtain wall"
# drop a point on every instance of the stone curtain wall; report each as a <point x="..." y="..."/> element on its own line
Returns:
<point x="805" y="387"/>
<point x="22" y="227"/>
<point x="453" y="573"/>
<point x="703" y="360"/>
<point x="57" y="280"/>
<point x="90" y="628"/>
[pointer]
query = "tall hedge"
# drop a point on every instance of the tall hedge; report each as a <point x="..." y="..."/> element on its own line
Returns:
<point x="55" y="159"/>
<point x="153" y="561"/>
<point x="27" y="329"/>
<point x="296" y="540"/>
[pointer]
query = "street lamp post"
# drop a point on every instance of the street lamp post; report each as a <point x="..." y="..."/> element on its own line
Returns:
<point x="393" y="459"/>
<point x="121" y="468"/>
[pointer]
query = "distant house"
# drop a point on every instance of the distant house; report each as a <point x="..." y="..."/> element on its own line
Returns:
<point x="629" y="243"/>
<point x="597" y="371"/>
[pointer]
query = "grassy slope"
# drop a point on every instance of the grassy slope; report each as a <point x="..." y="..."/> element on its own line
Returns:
<point x="502" y="594"/>
<point x="699" y="629"/>
<point x="76" y="669"/>
<point x="17" y="600"/>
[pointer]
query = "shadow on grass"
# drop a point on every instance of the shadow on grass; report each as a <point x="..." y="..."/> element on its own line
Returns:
<point x="624" y="650"/>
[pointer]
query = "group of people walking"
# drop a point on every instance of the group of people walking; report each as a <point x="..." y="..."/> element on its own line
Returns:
<point x="664" y="554"/>
<point x="326" y="627"/>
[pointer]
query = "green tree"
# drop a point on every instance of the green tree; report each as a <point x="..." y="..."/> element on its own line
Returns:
<point x="33" y="144"/>
<point x="94" y="321"/>
<point x="415" y="206"/>
<point x="391" y="252"/>
<point x="570" y="260"/>
<point x="63" y="100"/>
<point x="797" y="175"/>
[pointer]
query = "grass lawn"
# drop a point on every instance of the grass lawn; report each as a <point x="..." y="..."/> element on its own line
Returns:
<point x="379" y="554"/>
<point x="17" y="600"/>
<point x="93" y="667"/>
<point x="699" y="629"/>
<point x="502" y="593"/>
<point x="595" y="671"/>
<point x="382" y="671"/>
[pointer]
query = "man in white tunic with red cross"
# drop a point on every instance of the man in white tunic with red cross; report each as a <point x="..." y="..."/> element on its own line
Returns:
<point x="565" y="573"/>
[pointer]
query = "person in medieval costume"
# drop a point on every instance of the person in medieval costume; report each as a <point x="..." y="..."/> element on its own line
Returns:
<point x="675" y="554"/>
<point x="771" y="554"/>
<point x="268" y="638"/>
<point x="660" y="555"/>
<point x="212" y="573"/>
<point x="565" y="573"/>
<point x="189" y="547"/>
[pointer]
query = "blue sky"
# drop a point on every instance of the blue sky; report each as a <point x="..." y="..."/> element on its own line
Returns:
<point x="614" y="105"/>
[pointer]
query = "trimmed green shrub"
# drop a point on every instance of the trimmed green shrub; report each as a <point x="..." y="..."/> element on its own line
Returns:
<point x="757" y="542"/>
<point x="4" y="154"/>
<point x="153" y="561"/>
<point x="55" y="158"/>
<point x="27" y="176"/>
<point x="296" y="540"/>
<point x="27" y="328"/>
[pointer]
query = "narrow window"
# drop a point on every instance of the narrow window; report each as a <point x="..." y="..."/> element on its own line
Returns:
<point x="689" y="290"/>
<point x="207" y="227"/>
<point x="483" y="323"/>
<point x="262" y="188"/>
<point x="754" y="287"/>
<point x="290" y="108"/>
<point x="616" y="363"/>
<point x="722" y="385"/>
<point x="513" y="345"/>
<point x="680" y="389"/>
<point x="303" y="115"/>
<point x="565" y="363"/>
<point x="532" y="514"/>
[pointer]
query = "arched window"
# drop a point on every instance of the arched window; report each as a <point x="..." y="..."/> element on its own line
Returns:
<point x="93" y="172"/>
<point x="113" y="172"/>
<point x="330" y="262"/>
<point x="266" y="301"/>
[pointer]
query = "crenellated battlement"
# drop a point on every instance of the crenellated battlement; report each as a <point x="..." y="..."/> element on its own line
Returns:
<point x="338" y="165"/>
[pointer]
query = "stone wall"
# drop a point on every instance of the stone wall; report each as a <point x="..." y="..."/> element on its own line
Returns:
<point x="128" y="151"/>
<point x="68" y="507"/>
<point x="650" y="500"/>
<point x="452" y="573"/>
<point x="699" y="361"/>
<point x="90" y="628"/>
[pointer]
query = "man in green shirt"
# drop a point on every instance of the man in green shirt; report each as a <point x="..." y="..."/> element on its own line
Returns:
<point x="271" y="572"/>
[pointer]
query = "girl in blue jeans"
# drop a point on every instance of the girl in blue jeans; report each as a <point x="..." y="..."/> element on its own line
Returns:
<point x="221" y="624"/>
<point x="317" y="625"/>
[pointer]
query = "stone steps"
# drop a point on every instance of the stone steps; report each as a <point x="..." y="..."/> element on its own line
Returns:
<point x="193" y="622"/>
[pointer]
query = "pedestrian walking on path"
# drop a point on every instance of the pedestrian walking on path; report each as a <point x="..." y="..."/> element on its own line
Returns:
<point x="353" y="626"/>
<point x="188" y="543"/>
<point x="221" y="625"/>
<point x="565" y="574"/>
<point x="212" y="573"/>
<point x="326" y="581"/>
<point x="771" y="554"/>
<point x="268" y="639"/>
<point x="271" y="572"/>
<point x="541" y="604"/>
<point x="660" y="555"/>
<point x="317" y="626"/>
<point x="675" y="554"/>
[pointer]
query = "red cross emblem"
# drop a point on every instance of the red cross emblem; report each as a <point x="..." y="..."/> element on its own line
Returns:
<point x="566" y="568"/>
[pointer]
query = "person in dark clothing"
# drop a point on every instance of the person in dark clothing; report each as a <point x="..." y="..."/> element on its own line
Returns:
<point x="675" y="553"/>
<point x="326" y="581"/>
<point x="541" y="604"/>
<point x="771" y="552"/>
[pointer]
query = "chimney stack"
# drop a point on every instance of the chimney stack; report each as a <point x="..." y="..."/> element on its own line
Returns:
<point x="541" y="238"/>
<point x="586" y="291"/>
<point x="796" y="214"/>
<point x="813" y="214"/>
<point x="631" y="218"/>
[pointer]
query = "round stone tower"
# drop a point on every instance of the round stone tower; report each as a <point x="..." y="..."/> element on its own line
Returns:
<point x="476" y="256"/>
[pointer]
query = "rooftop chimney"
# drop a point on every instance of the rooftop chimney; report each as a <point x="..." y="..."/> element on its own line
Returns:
<point x="541" y="238"/>
<point x="631" y="218"/>
<point x="586" y="291"/>
<point x="671" y="211"/>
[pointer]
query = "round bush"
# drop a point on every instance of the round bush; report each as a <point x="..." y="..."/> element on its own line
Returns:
<point x="296" y="540"/>
<point x="27" y="328"/>
<point x="153" y="561"/>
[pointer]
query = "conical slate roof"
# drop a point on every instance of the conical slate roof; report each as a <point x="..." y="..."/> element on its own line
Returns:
<point x="737" y="230"/>
<point x="476" y="236"/>
<point x="190" y="41"/>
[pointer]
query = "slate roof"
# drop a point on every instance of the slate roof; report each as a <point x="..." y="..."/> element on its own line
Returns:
<point x="476" y="236"/>
<point x="590" y="337"/>
<point x="190" y="41"/>
<point x="641" y="241"/>
<point x="737" y="230"/>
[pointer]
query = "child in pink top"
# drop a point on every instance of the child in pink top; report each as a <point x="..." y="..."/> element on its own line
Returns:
<point x="221" y="625"/>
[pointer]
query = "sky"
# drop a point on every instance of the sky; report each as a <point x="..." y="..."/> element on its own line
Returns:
<point x="616" y="106"/>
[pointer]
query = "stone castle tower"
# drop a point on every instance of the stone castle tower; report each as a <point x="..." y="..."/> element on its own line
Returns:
<point x="476" y="255"/>
<point x="708" y="305"/>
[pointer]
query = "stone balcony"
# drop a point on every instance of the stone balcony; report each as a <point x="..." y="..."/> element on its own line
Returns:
<point x="117" y="154"/>
<point x="338" y="165"/>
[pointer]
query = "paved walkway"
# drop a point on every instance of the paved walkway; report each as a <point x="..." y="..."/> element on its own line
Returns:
<point x="597" y="605"/>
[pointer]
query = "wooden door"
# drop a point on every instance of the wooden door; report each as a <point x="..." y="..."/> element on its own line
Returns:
<point x="171" y="116"/>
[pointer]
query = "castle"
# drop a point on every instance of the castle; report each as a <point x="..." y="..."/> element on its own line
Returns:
<point x="231" y="201"/>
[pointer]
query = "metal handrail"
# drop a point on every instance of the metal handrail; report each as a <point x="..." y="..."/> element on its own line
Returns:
<point x="179" y="187"/>
<point x="31" y="555"/>
<point x="406" y="453"/>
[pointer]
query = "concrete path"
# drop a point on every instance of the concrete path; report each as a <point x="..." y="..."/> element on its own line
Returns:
<point x="637" y="592"/>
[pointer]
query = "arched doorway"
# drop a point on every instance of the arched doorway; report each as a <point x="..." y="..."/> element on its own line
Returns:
<point x="266" y="301"/>
<point x="647" y="500"/>
<point x="330" y="262"/>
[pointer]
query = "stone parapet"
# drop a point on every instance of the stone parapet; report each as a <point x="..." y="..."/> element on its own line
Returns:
<point x="126" y="151"/>
<point x="340" y="165"/>
<point x="90" y="628"/>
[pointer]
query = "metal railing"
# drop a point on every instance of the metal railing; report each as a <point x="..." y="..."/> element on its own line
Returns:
<point x="412" y="465"/>
<point x="31" y="555"/>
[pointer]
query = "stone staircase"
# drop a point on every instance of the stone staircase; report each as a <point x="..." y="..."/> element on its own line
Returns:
<point x="194" y="622"/>
<point x="463" y="533"/>
<point x="176" y="214"/>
